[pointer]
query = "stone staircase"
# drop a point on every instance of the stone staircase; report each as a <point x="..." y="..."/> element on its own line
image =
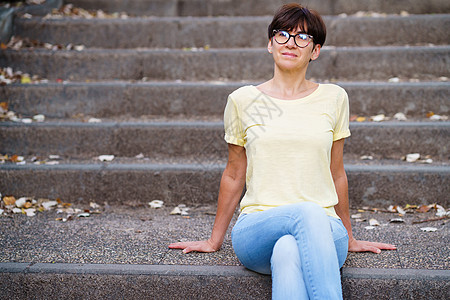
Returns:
<point x="159" y="82"/>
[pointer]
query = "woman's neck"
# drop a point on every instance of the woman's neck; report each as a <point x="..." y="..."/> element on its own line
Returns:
<point x="288" y="85"/>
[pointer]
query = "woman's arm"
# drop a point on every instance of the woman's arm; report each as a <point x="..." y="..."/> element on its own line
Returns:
<point x="342" y="208"/>
<point x="231" y="186"/>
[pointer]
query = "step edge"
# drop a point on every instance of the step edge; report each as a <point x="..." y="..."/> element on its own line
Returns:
<point x="210" y="270"/>
<point x="108" y="51"/>
<point x="203" y="124"/>
<point x="207" y="19"/>
<point x="127" y="167"/>
<point x="215" y="83"/>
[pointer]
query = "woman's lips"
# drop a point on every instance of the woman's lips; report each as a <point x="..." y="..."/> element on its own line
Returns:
<point x="289" y="54"/>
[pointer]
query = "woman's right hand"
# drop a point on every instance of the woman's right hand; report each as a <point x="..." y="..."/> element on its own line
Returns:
<point x="199" y="246"/>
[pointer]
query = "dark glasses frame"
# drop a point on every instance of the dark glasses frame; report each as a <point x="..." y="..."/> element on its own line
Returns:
<point x="311" y="38"/>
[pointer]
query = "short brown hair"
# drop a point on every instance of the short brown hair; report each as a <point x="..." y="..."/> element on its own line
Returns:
<point x="293" y="15"/>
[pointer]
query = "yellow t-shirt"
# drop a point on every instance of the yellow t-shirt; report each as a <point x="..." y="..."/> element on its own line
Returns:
<point x="288" y="145"/>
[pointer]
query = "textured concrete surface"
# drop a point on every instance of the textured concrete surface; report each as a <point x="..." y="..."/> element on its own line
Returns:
<point x="197" y="183"/>
<point x="198" y="32"/>
<point x="392" y="139"/>
<point x="140" y="235"/>
<point x="191" y="99"/>
<point x="420" y="62"/>
<point x="258" y="7"/>
<point x="124" y="251"/>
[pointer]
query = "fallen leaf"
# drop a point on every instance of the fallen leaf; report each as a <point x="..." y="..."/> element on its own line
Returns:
<point x="94" y="205"/>
<point x="17" y="210"/>
<point x="409" y="206"/>
<point x="400" y="210"/>
<point x="366" y="157"/>
<point x="424" y="208"/>
<point x="156" y="203"/>
<point x="397" y="220"/>
<point x="21" y="202"/>
<point x="438" y="118"/>
<point x="79" y="47"/>
<point x="360" y="119"/>
<point x="392" y="208"/>
<point x="373" y="222"/>
<point x="94" y="120"/>
<point x="428" y="229"/>
<point x="440" y="211"/>
<point x="430" y="114"/>
<point x="39" y="118"/>
<point x="30" y="212"/>
<point x="49" y="204"/>
<point x="412" y="157"/>
<point x="400" y="116"/>
<point x="84" y="215"/>
<point x="176" y="211"/>
<point x="25" y="79"/>
<point x="3" y="107"/>
<point x="369" y="227"/>
<point x="378" y="118"/>
<point x="9" y="200"/>
<point x="356" y="216"/>
<point x="106" y="157"/>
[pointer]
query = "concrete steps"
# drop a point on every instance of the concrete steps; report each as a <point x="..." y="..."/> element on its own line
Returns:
<point x="201" y="282"/>
<point x="182" y="138"/>
<point x="258" y="7"/>
<point x="179" y="32"/>
<point x="194" y="99"/>
<point x="420" y="62"/>
<point x="122" y="253"/>
<point x="195" y="183"/>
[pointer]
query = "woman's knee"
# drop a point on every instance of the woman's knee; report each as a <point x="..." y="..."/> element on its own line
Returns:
<point x="285" y="252"/>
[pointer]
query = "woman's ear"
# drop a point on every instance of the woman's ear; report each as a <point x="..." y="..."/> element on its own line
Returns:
<point x="269" y="46"/>
<point x="316" y="52"/>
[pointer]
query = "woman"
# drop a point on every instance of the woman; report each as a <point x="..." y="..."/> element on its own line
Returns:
<point x="285" y="140"/>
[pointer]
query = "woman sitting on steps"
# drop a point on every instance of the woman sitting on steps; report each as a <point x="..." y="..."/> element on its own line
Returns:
<point x="285" y="141"/>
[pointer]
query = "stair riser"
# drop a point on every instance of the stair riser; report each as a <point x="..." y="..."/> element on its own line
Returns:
<point x="183" y="140"/>
<point x="243" y="64"/>
<point x="135" y="100"/>
<point x="68" y="286"/>
<point x="258" y="7"/>
<point x="139" y="184"/>
<point x="230" y="32"/>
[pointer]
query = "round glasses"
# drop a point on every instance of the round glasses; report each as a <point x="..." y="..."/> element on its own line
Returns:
<point x="302" y="40"/>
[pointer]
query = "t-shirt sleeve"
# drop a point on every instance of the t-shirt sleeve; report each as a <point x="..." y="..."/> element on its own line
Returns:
<point x="233" y="124"/>
<point x="341" y="129"/>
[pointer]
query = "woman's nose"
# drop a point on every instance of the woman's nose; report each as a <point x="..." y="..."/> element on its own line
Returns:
<point x="291" y="43"/>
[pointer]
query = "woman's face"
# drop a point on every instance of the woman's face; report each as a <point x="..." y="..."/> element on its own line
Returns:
<point x="289" y="56"/>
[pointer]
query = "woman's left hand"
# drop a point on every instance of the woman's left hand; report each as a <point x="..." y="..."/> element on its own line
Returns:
<point x="365" y="246"/>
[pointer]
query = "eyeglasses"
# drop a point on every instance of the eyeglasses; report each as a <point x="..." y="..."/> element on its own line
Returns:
<point x="302" y="40"/>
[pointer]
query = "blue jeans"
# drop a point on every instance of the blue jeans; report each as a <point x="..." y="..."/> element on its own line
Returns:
<point x="299" y="245"/>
